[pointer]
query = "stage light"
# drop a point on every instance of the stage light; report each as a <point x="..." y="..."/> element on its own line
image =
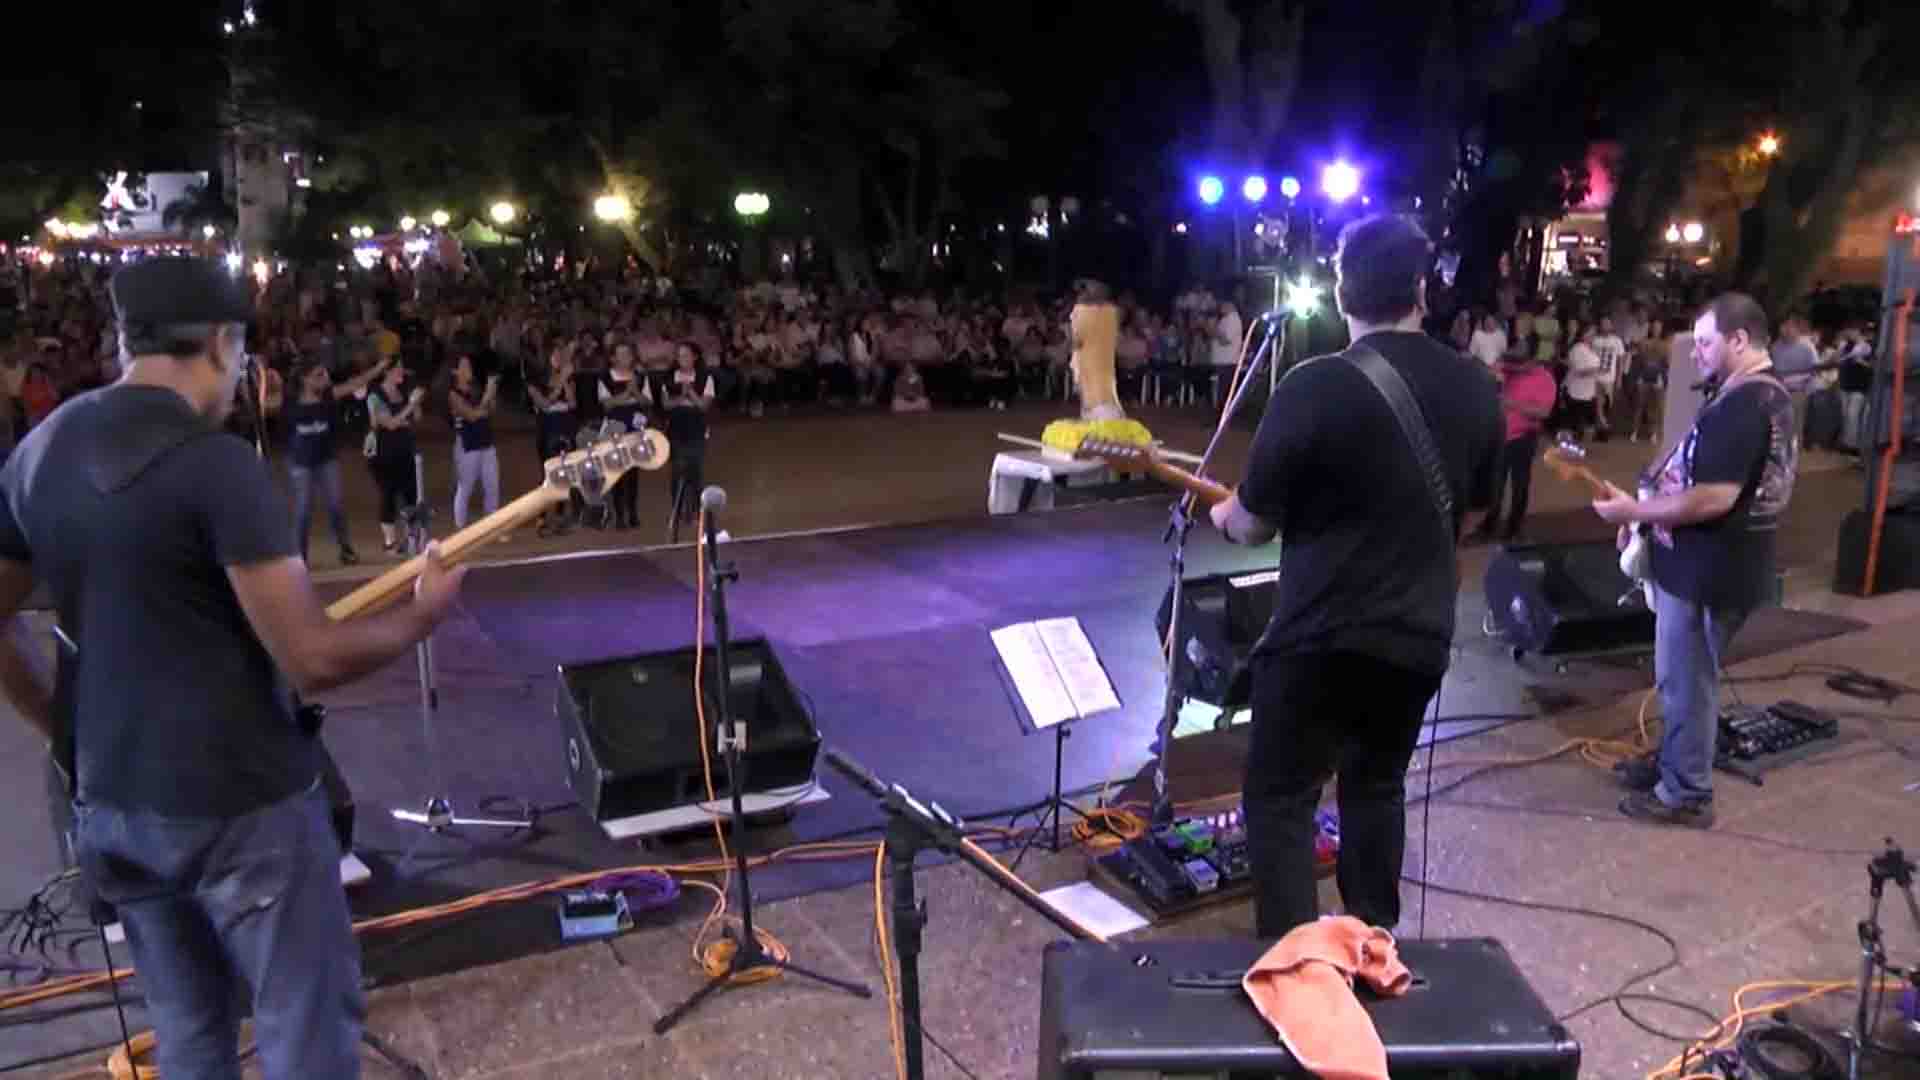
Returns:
<point x="1180" y="227"/>
<point x="303" y="182"/>
<point x="1303" y="298"/>
<point x="207" y="231"/>
<point x="1253" y="188"/>
<point x="1693" y="232"/>
<point x="1340" y="181"/>
<point x="502" y="213"/>
<point x="233" y="261"/>
<point x="441" y="218"/>
<point x="407" y="223"/>
<point x="1290" y="187"/>
<point x="260" y="271"/>
<point x="751" y="204"/>
<point x="1211" y="190"/>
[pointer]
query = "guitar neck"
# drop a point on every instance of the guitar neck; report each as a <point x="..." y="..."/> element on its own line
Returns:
<point x="1207" y="491"/>
<point x="393" y="584"/>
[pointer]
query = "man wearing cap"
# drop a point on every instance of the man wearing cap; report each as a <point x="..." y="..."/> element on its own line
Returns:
<point x="198" y="809"/>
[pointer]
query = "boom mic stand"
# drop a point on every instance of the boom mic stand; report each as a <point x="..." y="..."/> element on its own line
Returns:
<point x="748" y="953"/>
<point x="913" y="827"/>
<point x="1177" y="529"/>
<point x="437" y="816"/>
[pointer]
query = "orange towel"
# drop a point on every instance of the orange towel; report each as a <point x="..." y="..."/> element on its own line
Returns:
<point x="1304" y="987"/>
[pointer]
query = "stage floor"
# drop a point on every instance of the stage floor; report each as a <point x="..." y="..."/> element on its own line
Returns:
<point x="886" y="632"/>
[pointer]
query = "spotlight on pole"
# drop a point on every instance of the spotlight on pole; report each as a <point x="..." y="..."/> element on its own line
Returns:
<point x="1303" y="298"/>
<point x="441" y="218"/>
<point x="613" y="208"/>
<point x="1340" y="181"/>
<point x="1212" y="190"/>
<point x="1253" y="188"/>
<point x="502" y="213"/>
<point x="1290" y="186"/>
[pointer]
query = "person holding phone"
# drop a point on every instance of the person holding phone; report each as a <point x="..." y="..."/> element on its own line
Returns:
<point x="394" y="410"/>
<point x="476" y="463"/>
<point x="686" y="394"/>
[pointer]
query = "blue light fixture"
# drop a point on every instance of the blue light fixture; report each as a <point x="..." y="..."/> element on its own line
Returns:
<point x="1290" y="186"/>
<point x="1254" y="188"/>
<point x="1340" y="181"/>
<point x="1211" y="190"/>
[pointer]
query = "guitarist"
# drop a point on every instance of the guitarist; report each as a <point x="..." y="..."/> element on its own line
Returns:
<point x="1714" y="506"/>
<point x="199" y="803"/>
<point x="1363" y="623"/>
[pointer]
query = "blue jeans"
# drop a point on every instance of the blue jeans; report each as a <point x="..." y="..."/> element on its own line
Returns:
<point x="220" y="910"/>
<point x="326" y="477"/>
<point x="1689" y="642"/>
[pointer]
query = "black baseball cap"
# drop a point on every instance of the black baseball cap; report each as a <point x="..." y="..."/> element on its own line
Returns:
<point x="175" y="291"/>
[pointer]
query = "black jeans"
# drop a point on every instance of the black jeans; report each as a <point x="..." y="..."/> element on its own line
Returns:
<point x="1317" y="716"/>
<point x="1513" y="471"/>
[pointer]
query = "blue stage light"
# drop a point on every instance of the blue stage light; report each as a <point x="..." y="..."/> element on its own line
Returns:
<point x="1254" y="188"/>
<point x="1211" y="190"/>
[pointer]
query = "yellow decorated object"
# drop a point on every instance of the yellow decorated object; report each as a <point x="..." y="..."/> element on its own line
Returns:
<point x="1067" y="435"/>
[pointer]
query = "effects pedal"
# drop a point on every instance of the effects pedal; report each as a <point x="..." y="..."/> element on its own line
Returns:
<point x="1754" y="741"/>
<point x="1198" y="860"/>
<point x="585" y="916"/>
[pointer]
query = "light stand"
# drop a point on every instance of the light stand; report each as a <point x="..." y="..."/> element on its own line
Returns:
<point x="911" y="829"/>
<point x="438" y="815"/>
<point x="748" y="954"/>
<point x="1177" y="530"/>
<point x="1890" y="865"/>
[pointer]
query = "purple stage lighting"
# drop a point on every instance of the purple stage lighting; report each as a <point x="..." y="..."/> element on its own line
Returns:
<point x="1254" y="188"/>
<point x="1340" y="181"/>
<point x="1211" y="190"/>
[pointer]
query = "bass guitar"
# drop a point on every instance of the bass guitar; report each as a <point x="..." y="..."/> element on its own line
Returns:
<point x="591" y="471"/>
<point x="1636" y="559"/>
<point x="1133" y="457"/>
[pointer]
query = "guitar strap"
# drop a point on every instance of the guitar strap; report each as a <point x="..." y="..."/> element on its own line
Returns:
<point x="1413" y="425"/>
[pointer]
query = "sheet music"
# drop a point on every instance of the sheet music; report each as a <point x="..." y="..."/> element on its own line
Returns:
<point x="1034" y="674"/>
<point x="1086" y="681"/>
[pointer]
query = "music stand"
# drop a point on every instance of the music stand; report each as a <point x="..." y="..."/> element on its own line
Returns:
<point x="1052" y="809"/>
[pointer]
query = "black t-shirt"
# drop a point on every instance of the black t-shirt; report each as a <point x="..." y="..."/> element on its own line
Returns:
<point x="390" y="442"/>
<point x="1745" y="437"/>
<point x="178" y="708"/>
<point x="310" y="431"/>
<point x="1366" y="567"/>
<point x="473" y="434"/>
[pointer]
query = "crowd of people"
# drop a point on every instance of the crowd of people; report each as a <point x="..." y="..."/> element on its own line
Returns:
<point x="373" y="355"/>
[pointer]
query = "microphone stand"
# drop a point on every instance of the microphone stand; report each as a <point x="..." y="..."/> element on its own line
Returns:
<point x="748" y="953"/>
<point x="1181" y="523"/>
<point x="913" y="827"/>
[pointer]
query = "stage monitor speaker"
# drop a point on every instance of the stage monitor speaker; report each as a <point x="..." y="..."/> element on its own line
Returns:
<point x="1175" y="1008"/>
<point x="1898" y="566"/>
<point x="1552" y="599"/>
<point x="1222" y="616"/>
<point x="632" y="738"/>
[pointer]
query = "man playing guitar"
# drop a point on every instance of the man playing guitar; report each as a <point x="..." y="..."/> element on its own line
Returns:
<point x="198" y="802"/>
<point x="1363" y="623"/>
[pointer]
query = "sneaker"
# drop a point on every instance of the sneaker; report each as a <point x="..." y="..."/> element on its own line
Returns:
<point x="348" y="556"/>
<point x="1638" y="774"/>
<point x="1646" y="806"/>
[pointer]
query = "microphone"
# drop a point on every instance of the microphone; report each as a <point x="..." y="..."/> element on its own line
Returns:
<point x="854" y="771"/>
<point x="713" y="499"/>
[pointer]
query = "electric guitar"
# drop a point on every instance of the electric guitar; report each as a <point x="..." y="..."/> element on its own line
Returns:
<point x="1636" y="559"/>
<point x="591" y="471"/>
<point x="1133" y="457"/>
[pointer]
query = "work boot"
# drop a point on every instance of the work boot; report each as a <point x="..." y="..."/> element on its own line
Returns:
<point x="1648" y="807"/>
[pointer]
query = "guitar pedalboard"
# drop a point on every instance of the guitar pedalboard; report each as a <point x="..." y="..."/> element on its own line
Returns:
<point x="1198" y="861"/>
<point x="1757" y="740"/>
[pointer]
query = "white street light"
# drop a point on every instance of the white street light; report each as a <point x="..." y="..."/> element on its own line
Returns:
<point x="1673" y="234"/>
<point x="1693" y="232"/>
<point x="613" y="208"/>
<point x="207" y="231"/>
<point x="751" y="204"/>
<point x="441" y="218"/>
<point x="502" y="212"/>
<point x="407" y="223"/>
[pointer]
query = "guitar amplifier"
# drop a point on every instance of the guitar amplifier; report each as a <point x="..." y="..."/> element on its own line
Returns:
<point x="631" y="734"/>
<point x="1552" y="599"/>
<point x="1176" y="1008"/>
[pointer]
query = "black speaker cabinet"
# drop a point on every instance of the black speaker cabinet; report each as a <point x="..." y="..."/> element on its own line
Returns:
<point x="632" y="740"/>
<point x="1221" y="618"/>
<point x="1552" y="599"/>
<point x="1108" y="1010"/>
<point x="1898" y="565"/>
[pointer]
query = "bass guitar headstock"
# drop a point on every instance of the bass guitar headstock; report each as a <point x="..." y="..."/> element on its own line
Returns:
<point x="1567" y="460"/>
<point x="608" y="455"/>
<point x="1122" y="455"/>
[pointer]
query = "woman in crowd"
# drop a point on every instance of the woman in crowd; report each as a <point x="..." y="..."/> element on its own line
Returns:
<point x="393" y="411"/>
<point x="910" y="392"/>
<point x="622" y="393"/>
<point x="864" y="362"/>
<point x="555" y="425"/>
<point x="476" y="463"/>
<point x="313" y="427"/>
<point x="686" y="394"/>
